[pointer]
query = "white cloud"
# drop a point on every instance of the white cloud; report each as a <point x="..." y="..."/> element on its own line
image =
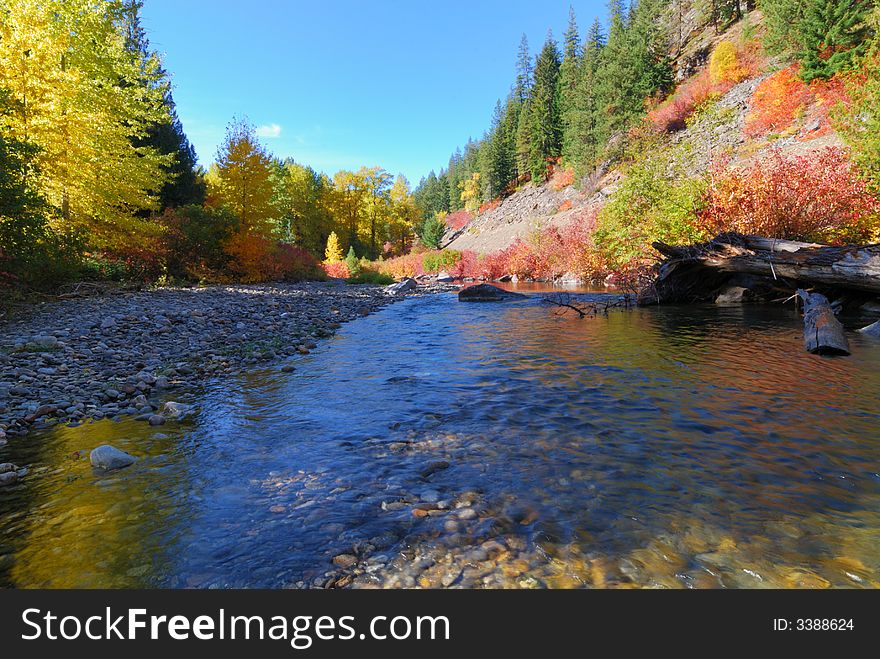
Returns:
<point x="269" y="131"/>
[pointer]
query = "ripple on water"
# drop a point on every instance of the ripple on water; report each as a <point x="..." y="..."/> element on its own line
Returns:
<point x="669" y="447"/>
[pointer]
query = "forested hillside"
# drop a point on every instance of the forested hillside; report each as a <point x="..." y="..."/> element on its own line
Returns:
<point x="687" y="118"/>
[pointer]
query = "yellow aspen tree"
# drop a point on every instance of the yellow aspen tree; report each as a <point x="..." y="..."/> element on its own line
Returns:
<point x="242" y="178"/>
<point x="333" y="252"/>
<point x="85" y="100"/>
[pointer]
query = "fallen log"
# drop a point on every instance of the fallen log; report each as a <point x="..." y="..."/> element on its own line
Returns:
<point x="694" y="272"/>
<point x="823" y="333"/>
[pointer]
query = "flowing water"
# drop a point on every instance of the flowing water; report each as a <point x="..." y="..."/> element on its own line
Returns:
<point x="675" y="447"/>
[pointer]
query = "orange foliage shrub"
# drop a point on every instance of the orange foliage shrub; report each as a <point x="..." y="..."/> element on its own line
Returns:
<point x="817" y="197"/>
<point x="255" y="258"/>
<point x="489" y="206"/>
<point x="828" y="95"/>
<point x="408" y="265"/>
<point x="551" y="253"/>
<point x="336" y="269"/>
<point x="562" y="178"/>
<point x="777" y="102"/>
<point x="565" y="206"/>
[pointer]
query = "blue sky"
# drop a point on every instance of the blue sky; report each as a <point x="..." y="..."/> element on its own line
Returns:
<point x="342" y="84"/>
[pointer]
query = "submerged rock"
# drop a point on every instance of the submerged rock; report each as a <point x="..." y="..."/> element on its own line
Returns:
<point x="486" y="293"/>
<point x="110" y="458"/>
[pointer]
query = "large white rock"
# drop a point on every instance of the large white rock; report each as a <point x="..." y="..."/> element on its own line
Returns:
<point x="401" y="287"/>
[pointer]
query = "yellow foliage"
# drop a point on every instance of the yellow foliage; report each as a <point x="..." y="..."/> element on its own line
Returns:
<point x="85" y="108"/>
<point x="724" y="64"/>
<point x="241" y="180"/>
<point x="470" y="192"/>
<point x="333" y="253"/>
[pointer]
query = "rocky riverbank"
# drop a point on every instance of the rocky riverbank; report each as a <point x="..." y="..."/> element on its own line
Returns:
<point x="78" y="360"/>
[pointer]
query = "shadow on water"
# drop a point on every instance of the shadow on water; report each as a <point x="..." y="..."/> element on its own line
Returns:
<point x="659" y="447"/>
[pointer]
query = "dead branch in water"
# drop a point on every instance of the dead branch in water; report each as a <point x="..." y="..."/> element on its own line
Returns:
<point x="566" y="303"/>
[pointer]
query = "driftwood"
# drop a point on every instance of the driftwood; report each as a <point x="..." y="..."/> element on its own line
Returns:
<point x="823" y="333"/>
<point x="694" y="272"/>
<point x="566" y="303"/>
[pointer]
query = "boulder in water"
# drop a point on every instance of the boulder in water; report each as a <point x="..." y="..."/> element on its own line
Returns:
<point x="177" y="410"/>
<point x="401" y="287"/>
<point x="109" y="458"/>
<point x="486" y="293"/>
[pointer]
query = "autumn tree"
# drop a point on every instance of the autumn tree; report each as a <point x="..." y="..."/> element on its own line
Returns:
<point x="301" y="198"/>
<point x="333" y="252"/>
<point x="404" y="213"/>
<point x="242" y="180"/>
<point x="86" y="109"/>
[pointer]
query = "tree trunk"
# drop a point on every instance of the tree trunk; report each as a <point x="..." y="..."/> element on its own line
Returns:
<point x="823" y="333"/>
<point x="689" y="272"/>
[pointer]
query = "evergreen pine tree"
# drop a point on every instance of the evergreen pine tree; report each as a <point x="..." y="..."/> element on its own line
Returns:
<point x="580" y="145"/>
<point x="352" y="263"/>
<point x="546" y="123"/>
<point x="830" y="34"/>
<point x="523" y="70"/>
<point x="569" y="75"/>
<point x="185" y="183"/>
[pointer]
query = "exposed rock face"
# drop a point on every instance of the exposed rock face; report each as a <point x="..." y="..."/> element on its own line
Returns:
<point x="109" y="458"/>
<point x="486" y="293"/>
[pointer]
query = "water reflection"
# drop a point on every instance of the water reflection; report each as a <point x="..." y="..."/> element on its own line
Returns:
<point x="673" y="447"/>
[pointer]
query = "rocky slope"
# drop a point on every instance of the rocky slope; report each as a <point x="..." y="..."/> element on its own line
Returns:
<point x="716" y="132"/>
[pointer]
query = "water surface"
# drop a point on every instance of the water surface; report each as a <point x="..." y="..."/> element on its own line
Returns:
<point x="670" y="447"/>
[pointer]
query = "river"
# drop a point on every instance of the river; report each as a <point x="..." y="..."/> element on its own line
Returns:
<point x="659" y="447"/>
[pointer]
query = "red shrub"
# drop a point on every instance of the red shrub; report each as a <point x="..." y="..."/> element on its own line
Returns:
<point x="561" y="178"/>
<point x="817" y="197"/>
<point x="827" y="95"/>
<point x="459" y="219"/>
<point x="671" y="115"/>
<point x="255" y="258"/>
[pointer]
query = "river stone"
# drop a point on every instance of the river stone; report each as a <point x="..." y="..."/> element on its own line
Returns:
<point x="401" y="287"/>
<point x="156" y="420"/>
<point x="110" y="458"/>
<point x="8" y="478"/>
<point x="44" y="341"/>
<point x="444" y="277"/>
<point x="733" y="295"/>
<point x="486" y="293"/>
<point x="177" y="410"/>
<point x="434" y="467"/>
